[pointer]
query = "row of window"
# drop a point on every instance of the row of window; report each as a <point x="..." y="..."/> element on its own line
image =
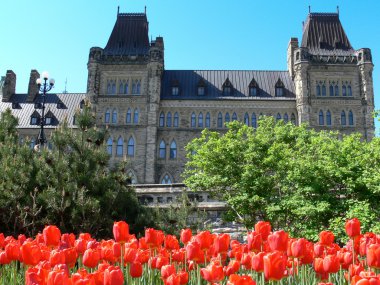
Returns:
<point x="112" y="117"/>
<point x="169" y="120"/>
<point x="343" y="119"/>
<point x="120" y="146"/>
<point x="123" y="87"/>
<point x="163" y="150"/>
<point x="334" y="89"/>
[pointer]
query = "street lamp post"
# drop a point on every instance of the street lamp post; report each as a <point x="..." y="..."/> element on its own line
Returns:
<point x="44" y="86"/>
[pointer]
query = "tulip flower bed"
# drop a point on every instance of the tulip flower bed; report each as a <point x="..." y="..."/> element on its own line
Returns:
<point x="268" y="257"/>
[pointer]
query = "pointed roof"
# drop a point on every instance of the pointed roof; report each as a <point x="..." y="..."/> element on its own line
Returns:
<point x="129" y="35"/>
<point x="323" y="34"/>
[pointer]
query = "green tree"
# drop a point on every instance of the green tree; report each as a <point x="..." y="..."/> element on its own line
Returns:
<point x="297" y="178"/>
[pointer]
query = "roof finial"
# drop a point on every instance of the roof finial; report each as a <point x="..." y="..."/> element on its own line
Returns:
<point x="145" y="10"/>
<point x="118" y="10"/>
<point x="337" y="10"/>
<point x="309" y="9"/>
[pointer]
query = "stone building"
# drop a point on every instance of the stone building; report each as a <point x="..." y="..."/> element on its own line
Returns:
<point x="152" y="113"/>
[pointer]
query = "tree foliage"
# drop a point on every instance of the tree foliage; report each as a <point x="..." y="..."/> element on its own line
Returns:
<point x="72" y="185"/>
<point x="301" y="180"/>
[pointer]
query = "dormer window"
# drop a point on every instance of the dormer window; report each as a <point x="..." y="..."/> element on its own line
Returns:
<point x="175" y="90"/>
<point x="279" y="88"/>
<point x="16" y="105"/>
<point x="253" y="88"/>
<point x="35" y="118"/>
<point x="227" y="88"/>
<point x="81" y="104"/>
<point x="201" y="89"/>
<point x="60" y="105"/>
<point x="37" y="105"/>
<point x="48" y="120"/>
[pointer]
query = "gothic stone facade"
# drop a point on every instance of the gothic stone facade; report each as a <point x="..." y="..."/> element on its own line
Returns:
<point x="152" y="113"/>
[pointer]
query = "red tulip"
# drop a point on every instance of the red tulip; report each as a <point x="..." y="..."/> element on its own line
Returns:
<point x="263" y="228"/>
<point x="52" y="236"/>
<point x="298" y="248"/>
<point x="56" y="277"/>
<point x="212" y="273"/>
<point x="257" y="262"/>
<point x="221" y="243"/>
<point x="31" y="253"/>
<point x="171" y="242"/>
<point x="326" y="238"/>
<point x="136" y="270"/>
<point x="173" y="279"/>
<point x="232" y="267"/>
<point x="274" y="265"/>
<point x="13" y="251"/>
<point x="57" y="257"/>
<point x="353" y="227"/>
<point x="194" y="252"/>
<point x="240" y="280"/>
<point x="331" y="264"/>
<point x="373" y="256"/>
<point x="2" y="240"/>
<point x="186" y="235"/>
<point x="184" y="277"/>
<point x="113" y="276"/>
<point x="3" y="258"/>
<point x="167" y="270"/>
<point x="32" y="277"/>
<point x="121" y="231"/>
<point x="255" y="241"/>
<point x="278" y="240"/>
<point x="154" y="238"/>
<point x="91" y="258"/>
<point x="205" y="239"/>
<point x="130" y="255"/>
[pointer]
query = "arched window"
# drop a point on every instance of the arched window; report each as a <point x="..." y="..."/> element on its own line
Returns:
<point x="328" y="118"/>
<point x="138" y="88"/>
<point x="176" y="120"/>
<point x="109" y="88"/>
<point x="126" y="88"/>
<point x="162" y="120"/>
<point x="107" y="116"/>
<point x="169" y="119"/>
<point x="162" y="150"/>
<point x="254" y="120"/>
<point x="349" y="90"/>
<point x="343" y="118"/>
<point x="321" y="118"/>
<point x="119" y="146"/>
<point x="220" y="120"/>
<point x="136" y="116"/>
<point x="129" y="116"/>
<point x="131" y="147"/>
<point x="246" y="119"/>
<point x="200" y="120"/>
<point x="350" y="118"/>
<point x="344" y="90"/>
<point x="134" y="89"/>
<point x="286" y="118"/>
<point x="121" y="88"/>
<point x="208" y="120"/>
<point x="336" y="90"/>
<point x="293" y="119"/>
<point x="173" y="150"/>
<point x="318" y="90"/>
<point x="279" y="88"/>
<point x="278" y="117"/>
<point x="323" y="90"/>
<point x="114" y="116"/>
<point x="234" y="117"/>
<point x="113" y="88"/>
<point x="132" y="177"/>
<point x="193" y="120"/>
<point x="331" y="90"/>
<point x="109" y="145"/>
<point x="227" y="118"/>
<point x="166" y="179"/>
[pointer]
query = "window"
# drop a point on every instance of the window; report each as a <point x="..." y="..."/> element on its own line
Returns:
<point x="119" y="146"/>
<point x="201" y="90"/>
<point x="252" y="91"/>
<point x="107" y="117"/>
<point x="234" y="117"/>
<point x="173" y="150"/>
<point x="162" y="120"/>
<point x="132" y="177"/>
<point x="32" y="143"/>
<point x="136" y="116"/>
<point x="343" y="118"/>
<point x="321" y="118"/>
<point x="344" y="90"/>
<point x="128" y="119"/>
<point x="175" y="90"/>
<point x="114" y="116"/>
<point x="176" y="120"/>
<point x="246" y="119"/>
<point x="286" y="118"/>
<point x="254" y="121"/>
<point x="138" y="87"/>
<point x="208" y="120"/>
<point x="169" y="119"/>
<point x="162" y="150"/>
<point x="220" y="120"/>
<point x="48" y="120"/>
<point x="121" y="88"/>
<point x="336" y="90"/>
<point x="318" y="91"/>
<point x="331" y="90"/>
<point x="113" y="92"/>
<point x="349" y="90"/>
<point x="227" y="87"/>
<point x="81" y="104"/>
<point x="109" y="88"/>
<point x="278" y="117"/>
<point x="200" y="120"/>
<point x="350" y="118"/>
<point x="323" y="90"/>
<point x="193" y="120"/>
<point x="109" y="146"/>
<point x="328" y="118"/>
<point x="131" y="147"/>
<point x="227" y="118"/>
<point x="34" y="120"/>
<point x="166" y="180"/>
<point x="279" y="88"/>
<point x="126" y="88"/>
<point x="293" y="119"/>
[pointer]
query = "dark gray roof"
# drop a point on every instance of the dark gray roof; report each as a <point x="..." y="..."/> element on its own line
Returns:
<point x="129" y="35"/>
<point x="23" y="111"/>
<point x="323" y="34"/>
<point x="213" y="80"/>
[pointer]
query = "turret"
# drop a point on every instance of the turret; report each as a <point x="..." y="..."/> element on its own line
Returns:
<point x="93" y="79"/>
<point x="9" y="86"/>
<point x="293" y="45"/>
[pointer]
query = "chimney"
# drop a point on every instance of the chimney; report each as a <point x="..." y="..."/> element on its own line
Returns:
<point x="9" y="87"/>
<point x="33" y="87"/>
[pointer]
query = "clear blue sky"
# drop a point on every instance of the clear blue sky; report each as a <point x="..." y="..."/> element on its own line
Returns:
<point x="210" y="34"/>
